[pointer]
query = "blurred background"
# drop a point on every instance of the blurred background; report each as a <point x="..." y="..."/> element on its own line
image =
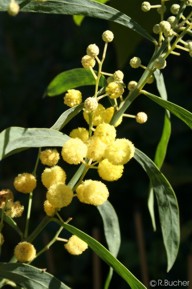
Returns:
<point x="33" y="50"/>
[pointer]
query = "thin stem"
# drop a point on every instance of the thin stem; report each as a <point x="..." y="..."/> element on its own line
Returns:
<point x="54" y="239"/>
<point x="30" y="201"/>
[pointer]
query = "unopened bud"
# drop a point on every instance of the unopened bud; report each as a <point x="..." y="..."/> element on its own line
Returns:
<point x="141" y="117"/>
<point x="13" y="8"/>
<point x="92" y="50"/>
<point x="108" y="36"/>
<point x="90" y="104"/>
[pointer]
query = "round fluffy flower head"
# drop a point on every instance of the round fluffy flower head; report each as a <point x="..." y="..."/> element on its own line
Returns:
<point x="145" y="6"/>
<point x="108" y="36"/>
<point x="1" y="239"/>
<point x="90" y="104"/>
<point x="109" y="172"/>
<point x="118" y="75"/>
<point x="59" y="195"/>
<point x="74" y="151"/>
<point x="120" y="151"/>
<point x="25" y="183"/>
<point x="141" y="117"/>
<point x="81" y="133"/>
<point x="132" y="85"/>
<point x="72" y="97"/>
<point x="88" y="61"/>
<point x="49" y="157"/>
<point x="160" y="63"/>
<point x="24" y="252"/>
<point x="96" y="148"/>
<point x="92" y="50"/>
<point x="114" y="89"/>
<point x="13" y="8"/>
<point x="49" y="209"/>
<point x="135" y="62"/>
<point x="75" y="245"/>
<point x="106" y="132"/>
<point x="92" y="192"/>
<point x="53" y="175"/>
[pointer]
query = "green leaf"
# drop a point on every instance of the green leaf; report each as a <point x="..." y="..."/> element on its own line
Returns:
<point x="161" y="149"/>
<point x="16" y="139"/>
<point x="112" y="232"/>
<point x="111" y="227"/>
<point x="167" y="206"/>
<point x="71" y="79"/>
<point x="107" y="257"/>
<point x="79" y="18"/>
<point x="178" y="111"/>
<point x="66" y="117"/>
<point x="30" y="277"/>
<point x="86" y="8"/>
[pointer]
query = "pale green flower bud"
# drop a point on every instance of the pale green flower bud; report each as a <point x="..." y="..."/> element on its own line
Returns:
<point x="145" y="6"/>
<point x="108" y="36"/>
<point x="135" y="62"/>
<point x="92" y="50"/>
<point x="175" y="9"/>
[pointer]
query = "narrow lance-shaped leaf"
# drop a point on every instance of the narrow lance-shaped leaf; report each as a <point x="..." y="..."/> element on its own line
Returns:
<point x="16" y="139"/>
<point x="29" y="277"/>
<point x="112" y="232"/>
<point x="167" y="206"/>
<point x="178" y="111"/>
<point x="107" y="257"/>
<point x="70" y="79"/>
<point x="83" y="7"/>
<point x="161" y="149"/>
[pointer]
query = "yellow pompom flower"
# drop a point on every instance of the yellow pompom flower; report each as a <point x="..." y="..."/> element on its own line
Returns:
<point x="72" y="97"/>
<point x="74" y="151"/>
<point x="120" y="151"/>
<point x="81" y="133"/>
<point x="109" y="172"/>
<point x="24" y="252"/>
<point x="92" y="192"/>
<point x="53" y="175"/>
<point x="49" y="157"/>
<point x="59" y="195"/>
<point x="25" y="183"/>
<point x="96" y="148"/>
<point x="114" y="89"/>
<point x="49" y="209"/>
<point x="75" y="245"/>
<point x="106" y="132"/>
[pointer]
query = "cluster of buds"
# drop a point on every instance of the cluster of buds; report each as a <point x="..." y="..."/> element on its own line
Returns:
<point x="174" y="26"/>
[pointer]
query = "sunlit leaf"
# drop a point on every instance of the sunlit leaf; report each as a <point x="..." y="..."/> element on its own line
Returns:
<point x="29" y="277"/>
<point x="70" y="79"/>
<point x="16" y="139"/>
<point x="178" y="111"/>
<point x="167" y="206"/>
